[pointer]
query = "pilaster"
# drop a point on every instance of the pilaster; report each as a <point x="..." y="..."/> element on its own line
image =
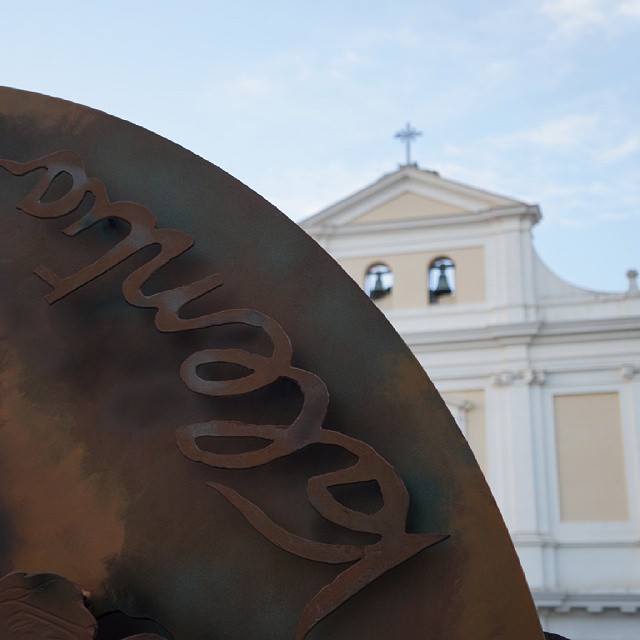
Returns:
<point x="517" y="467"/>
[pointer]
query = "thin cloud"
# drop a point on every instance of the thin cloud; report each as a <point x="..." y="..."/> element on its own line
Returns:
<point x="565" y="133"/>
<point x="575" y="16"/>
<point x="622" y="150"/>
<point x="629" y="9"/>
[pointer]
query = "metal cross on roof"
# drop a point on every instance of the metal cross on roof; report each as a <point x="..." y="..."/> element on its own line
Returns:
<point x="408" y="135"/>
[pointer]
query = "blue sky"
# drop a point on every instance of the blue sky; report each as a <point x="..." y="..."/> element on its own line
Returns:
<point x="536" y="99"/>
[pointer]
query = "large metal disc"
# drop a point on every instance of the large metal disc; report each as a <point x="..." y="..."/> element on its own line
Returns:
<point x="115" y="473"/>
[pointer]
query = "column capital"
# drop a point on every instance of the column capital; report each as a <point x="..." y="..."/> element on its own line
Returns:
<point x="524" y="376"/>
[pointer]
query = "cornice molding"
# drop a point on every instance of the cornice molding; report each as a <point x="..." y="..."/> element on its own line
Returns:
<point x="518" y="333"/>
<point x="325" y="231"/>
<point x="593" y="603"/>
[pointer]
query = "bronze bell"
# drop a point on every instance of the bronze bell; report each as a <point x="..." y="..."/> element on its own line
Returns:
<point x="378" y="290"/>
<point x="443" y="288"/>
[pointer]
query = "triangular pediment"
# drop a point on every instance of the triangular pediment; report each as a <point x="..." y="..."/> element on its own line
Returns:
<point x="408" y="206"/>
<point x="408" y="194"/>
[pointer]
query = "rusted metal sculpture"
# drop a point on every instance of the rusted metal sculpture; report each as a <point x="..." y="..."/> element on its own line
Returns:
<point x="101" y="428"/>
<point x="395" y="545"/>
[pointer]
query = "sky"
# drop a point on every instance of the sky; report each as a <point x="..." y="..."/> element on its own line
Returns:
<point x="533" y="99"/>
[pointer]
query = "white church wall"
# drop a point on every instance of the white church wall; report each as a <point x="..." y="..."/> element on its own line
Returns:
<point x="508" y="365"/>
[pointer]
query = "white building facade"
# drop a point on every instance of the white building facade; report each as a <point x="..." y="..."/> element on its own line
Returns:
<point x="542" y="377"/>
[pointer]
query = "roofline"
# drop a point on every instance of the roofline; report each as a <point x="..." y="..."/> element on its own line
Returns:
<point x="403" y="172"/>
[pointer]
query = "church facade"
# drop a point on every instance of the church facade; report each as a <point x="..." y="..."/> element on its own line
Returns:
<point x="542" y="377"/>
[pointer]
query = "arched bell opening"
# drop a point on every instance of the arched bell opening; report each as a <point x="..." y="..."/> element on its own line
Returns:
<point x="442" y="279"/>
<point x="378" y="281"/>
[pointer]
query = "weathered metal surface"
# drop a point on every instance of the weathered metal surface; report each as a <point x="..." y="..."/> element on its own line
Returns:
<point x="117" y="625"/>
<point x="100" y="434"/>
<point x="41" y="607"/>
<point x="49" y="607"/>
<point x="371" y="561"/>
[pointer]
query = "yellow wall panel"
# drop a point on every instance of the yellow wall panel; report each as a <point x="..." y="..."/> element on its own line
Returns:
<point x="591" y="469"/>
